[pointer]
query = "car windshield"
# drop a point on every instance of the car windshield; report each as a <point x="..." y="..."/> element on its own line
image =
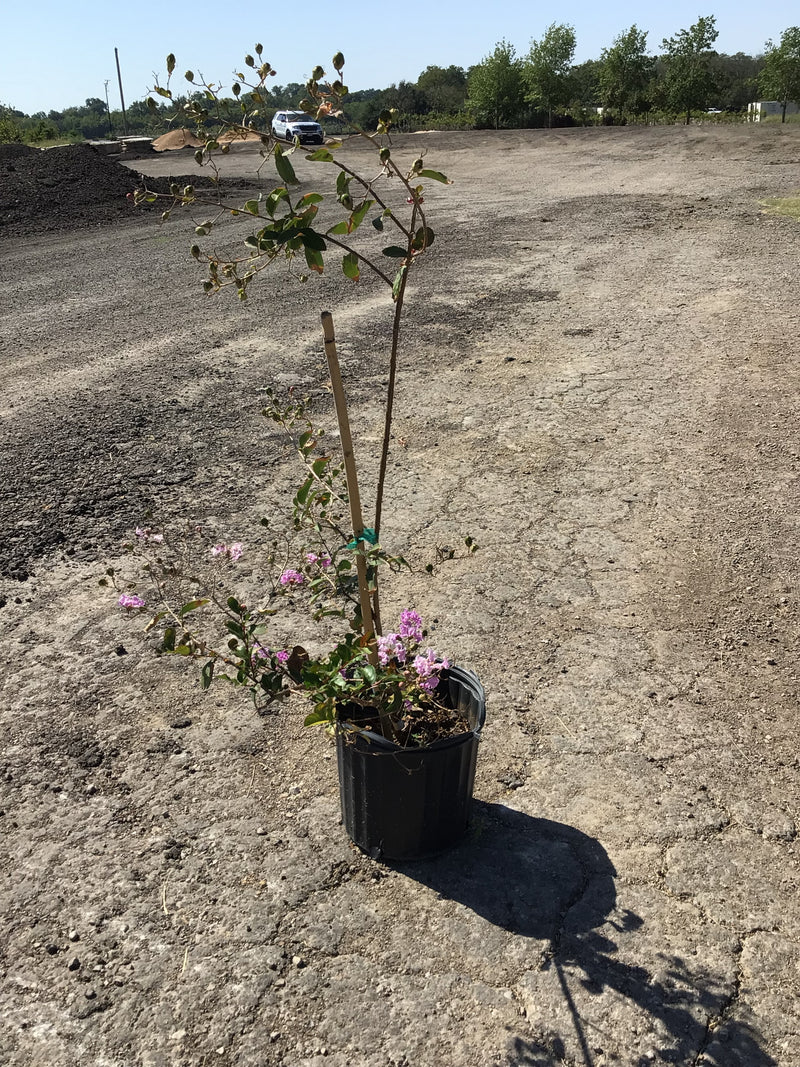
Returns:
<point x="298" y="116"/>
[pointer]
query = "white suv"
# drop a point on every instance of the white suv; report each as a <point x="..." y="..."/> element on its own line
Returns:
<point x="291" y="124"/>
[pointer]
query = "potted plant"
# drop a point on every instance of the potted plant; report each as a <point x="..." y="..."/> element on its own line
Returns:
<point x="406" y="721"/>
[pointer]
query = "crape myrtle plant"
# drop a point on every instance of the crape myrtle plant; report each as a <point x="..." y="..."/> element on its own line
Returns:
<point x="330" y="561"/>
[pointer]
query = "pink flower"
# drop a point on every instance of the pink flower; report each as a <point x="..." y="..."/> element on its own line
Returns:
<point x="144" y="533"/>
<point x="130" y="601"/>
<point x="233" y="552"/>
<point x="322" y="561"/>
<point x="282" y="656"/>
<point x="428" y="668"/>
<point x="411" y="625"/>
<point x="290" y="577"/>
<point x="391" y="647"/>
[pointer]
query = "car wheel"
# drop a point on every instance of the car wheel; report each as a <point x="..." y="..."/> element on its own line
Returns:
<point x="289" y="135"/>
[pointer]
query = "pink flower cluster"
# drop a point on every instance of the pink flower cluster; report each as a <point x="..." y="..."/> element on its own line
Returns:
<point x="233" y="552"/>
<point x="411" y="625"/>
<point x="323" y="561"/>
<point x="391" y="646"/>
<point x="428" y="668"/>
<point x="130" y="601"/>
<point x="398" y="647"/>
<point x="291" y="577"/>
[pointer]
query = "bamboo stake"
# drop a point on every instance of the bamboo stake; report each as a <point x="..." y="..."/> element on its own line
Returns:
<point x="340" y="402"/>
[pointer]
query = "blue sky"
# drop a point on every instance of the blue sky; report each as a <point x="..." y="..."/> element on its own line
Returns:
<point x="54" y="54"/>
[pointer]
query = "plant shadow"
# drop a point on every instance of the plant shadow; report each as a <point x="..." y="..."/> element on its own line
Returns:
<point x="542" y="879"/>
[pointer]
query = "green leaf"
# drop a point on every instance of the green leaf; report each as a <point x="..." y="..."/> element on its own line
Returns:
<point x="207" y="674"/>
<point x="423" y="238"/>
<point x="350" y="266"/>
<point x="395" y="252"/>
<point x="377" y="222"/>
<point x="435" y="176"/>
<point x="168" y="642"/>
<point x="284" y="167"/>
<point x="398" y="282"/>
<point x="170" y="63"/>
<point x="369" y="674"/>
<point x="252" y="207"/>
<point x="313" y="240"/>
<point x="317" y="717"/>
<point x="322" y="155"/>
<point x="314" y="260"/>
<point x="298" y="658"/>
<point x="273" y="200"/>
<point x="302" y="493"/>
<point x="358" y="216"/>
<point x="319" y="465"/>
<point x="193" y="605"/>
<point x="340" y="228"/>
<point x="342" y="183"/>
<point x="310" y="198"/>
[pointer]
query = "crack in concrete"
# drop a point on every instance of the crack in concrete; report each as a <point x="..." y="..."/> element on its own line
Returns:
<point x="725" y="1010"/>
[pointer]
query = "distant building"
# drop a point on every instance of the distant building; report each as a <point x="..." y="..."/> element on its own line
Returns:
<point x="761" y="108"/>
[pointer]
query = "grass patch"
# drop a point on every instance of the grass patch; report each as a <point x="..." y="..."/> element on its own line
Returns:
<point x="782" y="205"/>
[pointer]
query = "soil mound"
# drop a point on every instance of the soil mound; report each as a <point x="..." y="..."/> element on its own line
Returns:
<point x="62" y="188"/>
<point x="74" y="187"/>
<point x="14" y="151"/>
<point x="182" y="138"/>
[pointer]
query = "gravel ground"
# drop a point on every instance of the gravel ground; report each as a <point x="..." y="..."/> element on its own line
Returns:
<point x="600" y="386"/>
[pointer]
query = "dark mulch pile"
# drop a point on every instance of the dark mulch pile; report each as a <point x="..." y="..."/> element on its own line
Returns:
<point x="70" y="188"/>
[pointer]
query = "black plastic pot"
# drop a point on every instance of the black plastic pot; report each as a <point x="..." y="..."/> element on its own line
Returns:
<point x="405" y="803"/>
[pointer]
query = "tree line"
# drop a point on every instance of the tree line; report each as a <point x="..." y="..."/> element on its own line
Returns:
<point x="544" y="87"/>
<point x="627" y="83"/>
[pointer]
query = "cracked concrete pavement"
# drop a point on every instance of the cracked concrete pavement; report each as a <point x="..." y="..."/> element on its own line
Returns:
<point x="601" y="388"/>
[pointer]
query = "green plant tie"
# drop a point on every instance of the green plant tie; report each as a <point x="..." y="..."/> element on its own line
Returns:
<point x="367" y="534"/>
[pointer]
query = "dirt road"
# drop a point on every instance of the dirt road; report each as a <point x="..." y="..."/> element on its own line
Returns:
<point x="600" y="386"/>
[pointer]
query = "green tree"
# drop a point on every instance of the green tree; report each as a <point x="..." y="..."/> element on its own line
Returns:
<point x="780" y="78"/>
<point x="406" y="97"/>
<point x="495" y="89"/>
<point x="443" y="88"/>
<point x="547" y="69"/>
<point x="625" y="73"/>
<point x="690" y="78"/>
<point x="584" y="81"/>
<point x="737" y="80"/>
<point x="10" y="131"/>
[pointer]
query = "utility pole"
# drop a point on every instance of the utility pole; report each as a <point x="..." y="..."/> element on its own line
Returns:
<point x="108" y="112"/>
<point x="121" y="97"/>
